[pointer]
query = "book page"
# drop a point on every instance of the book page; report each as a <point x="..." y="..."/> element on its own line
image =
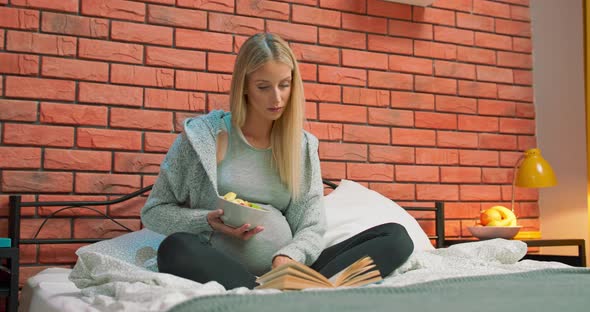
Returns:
<point x="290" y="282"/>
<point x="292" y="266"/>
<point x="354" y="269"/>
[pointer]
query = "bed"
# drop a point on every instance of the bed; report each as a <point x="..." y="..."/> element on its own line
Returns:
<point x="119" y="274"/>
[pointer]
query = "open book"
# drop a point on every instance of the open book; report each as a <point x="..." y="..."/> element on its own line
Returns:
<point x="295" y="276"/>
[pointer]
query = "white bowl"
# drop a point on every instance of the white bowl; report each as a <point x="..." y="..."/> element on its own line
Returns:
<point x="236" y="215"/>
<point x="487" y="232"/>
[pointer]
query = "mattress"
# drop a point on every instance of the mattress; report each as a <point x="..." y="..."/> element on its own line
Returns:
<point x="51" y="291"/>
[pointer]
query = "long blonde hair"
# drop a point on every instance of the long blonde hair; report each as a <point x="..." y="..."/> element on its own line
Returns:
<point x="287" y="131"/>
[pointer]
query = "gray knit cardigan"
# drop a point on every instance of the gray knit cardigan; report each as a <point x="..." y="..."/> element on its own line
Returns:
<point x="186" y="190"/>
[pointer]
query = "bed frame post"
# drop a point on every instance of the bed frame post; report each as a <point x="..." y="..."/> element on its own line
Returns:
<point x="14" y="219"/>
<point x="440" y="224"/>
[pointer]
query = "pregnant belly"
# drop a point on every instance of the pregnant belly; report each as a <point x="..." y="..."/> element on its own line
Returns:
<point x="256" y="253"/>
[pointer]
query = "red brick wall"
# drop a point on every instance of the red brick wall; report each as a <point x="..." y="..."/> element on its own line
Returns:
<point x="420" y="104"/>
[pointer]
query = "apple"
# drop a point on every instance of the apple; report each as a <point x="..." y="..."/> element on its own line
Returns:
<point x="489" y="215"/>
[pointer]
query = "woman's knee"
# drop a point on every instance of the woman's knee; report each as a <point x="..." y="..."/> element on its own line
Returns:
<point x="402" y="242"/>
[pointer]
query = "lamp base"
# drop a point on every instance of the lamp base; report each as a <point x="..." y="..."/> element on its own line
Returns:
<point x="528" y="235"/>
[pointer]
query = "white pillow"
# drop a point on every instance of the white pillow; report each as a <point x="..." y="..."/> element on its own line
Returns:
<point x="352" y="208"/>
<point x="139" y="248"/>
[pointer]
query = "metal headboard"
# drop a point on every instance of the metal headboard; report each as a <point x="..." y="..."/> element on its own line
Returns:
<point x="15" y="205"/>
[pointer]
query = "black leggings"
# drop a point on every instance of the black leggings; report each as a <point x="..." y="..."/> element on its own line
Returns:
<point x="186" y="255"/>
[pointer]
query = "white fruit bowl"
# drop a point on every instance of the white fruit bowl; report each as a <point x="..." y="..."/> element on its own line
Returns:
<point x="488" y="232"/>
<point x="236" y="215"/>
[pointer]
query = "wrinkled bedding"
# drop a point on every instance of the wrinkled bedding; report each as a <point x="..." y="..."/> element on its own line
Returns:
<point x="109" y="284"/>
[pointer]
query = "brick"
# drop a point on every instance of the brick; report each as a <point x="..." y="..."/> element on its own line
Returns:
<point x="412" y="100"/>
<point x="495" y="74"/>
<point x="73" y="114"/>
<point x="18" y="110"/>
<point x="410" y="173"/>
<point x="343" y="151"/>
<point x="75" y="25"/>
<point x="460" y="175"/>
<point x="110" y="51"/>
<point x="493" y="41"/>
<point x="118" y="9"/>
<point x="342" y="75"/>
<point x="263" y="8"/>
<point x="437" y="156"/>
<point x="36" y="182"/>
<point x="378" y="79"/>
<point x="390" y="44"/>
<point x="333" y="170"/>
<point x="177" y="100"/>
<point x="436" y="120"/>
<point x="108" y="139"/>
<point x="478" y="158"/>
<point x="308" y="72"/>
<point x="36" y="88"/>
<point x="435" y="50"/>
<point x="358" y="6"/>
<point x="315" y="16"/>
<point x="413" y="137"/>
<point x="20" y="157"/>
<point x="103" y="228"/>
<point x="342" y="38"/>
<point x="369" y="172"/>
<point x="322" y="92"/>
<point x="311" y="111"/>
<point x="315" y="54"/>
<point x="175" y="58"/>
<point x="53" y="228"/>
<point x="436" y="85"/>
<point x="454" y="35"/>
<point x="454" y="70"/>
<point x="458" y="5"/>
<point x="148" y="180"/>
<point x="110" y="94"/>
<point x="517" y="125"/>
<point x="325" y="131"/>
<point x="409" y="64"/>
<point x="27" y="253"/>
<point x="189" y="80"/>
<point x="142" y="75"/>
<point x="517" y="60"/>
<point x="522" y="45"/>
<point x="497" y="141"/>
<point x="389" y="9"/>
<point x="437" y="192"/>
<point x="203" y="40"/>
<point x="169" y="2"/>
<point x="142" y="119"/>
<point x="19" y="64"/>
<point x="362" y="59"/>
<point x="367" y="97"/>
<point x="342" y="113"/>
<point x="77" y="160"/>
<point x="454" y="104"/>
<point x="40" y="43"/>
<point x="411" y="30"/>
<point x="218" y="62"/>
<point x="395" y="191"/>
<point x="497" y="176"/>
<point x="475" y="22"/>
<point x="525" y="110"/>
<point x="462" y="210"/>
<point x="141" y="33"/>
<point x="19" y="18"/>
<point x="158" y="142"/>
<point x="520" y="13"/>
<point x="391" y="117"/>
<point x="478" y="89"/>
<point x="171" y="16"/>
<point x="433" y="16"/>
<point x="456" y="139"/>
<point x="363" y="23"/>
<point x="490" y="8"/>
<point x="524" y="77"/>
<point x="479" y="192"/>
<point x="137" y="162"/>
<point x="75" y="69"/>
<point x="526" y="142"/>
<point x="2" y="36"/>
<point x="515" y="93"/>
<point x="58" y="253"/>
<point x="496" y="108"/>
<point x="129" y="208"/>
<point x="476" y="55"/>
<point x="366" y="134"/>
<point x="63" y="5"/>
<point x="293" y="32"/>
<point x="513" y="28"/>
<point x="478" y="123"/>
<point x="391" y="154"/>
<point x="219" y="5"/>
<point x="521" y="193"/>
<point x="235" y="24"/>
<point x="219" y="101"/>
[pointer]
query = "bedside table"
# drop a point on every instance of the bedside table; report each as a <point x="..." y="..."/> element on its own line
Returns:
<point x="579" y="260"/>
<point x="9" y="287"/>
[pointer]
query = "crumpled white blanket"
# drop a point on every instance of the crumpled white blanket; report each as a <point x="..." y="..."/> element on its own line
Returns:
<point x="109" y="284"/>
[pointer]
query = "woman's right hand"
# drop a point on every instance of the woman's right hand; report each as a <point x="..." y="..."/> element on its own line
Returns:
<point x="242" y="232"/>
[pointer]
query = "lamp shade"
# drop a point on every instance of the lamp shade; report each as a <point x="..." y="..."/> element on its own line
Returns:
<point x="535" y="171"/>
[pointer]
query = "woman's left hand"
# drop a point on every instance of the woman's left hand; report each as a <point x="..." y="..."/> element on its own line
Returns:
<point x="278" y="260"/>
